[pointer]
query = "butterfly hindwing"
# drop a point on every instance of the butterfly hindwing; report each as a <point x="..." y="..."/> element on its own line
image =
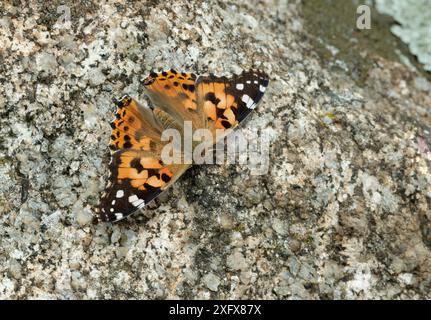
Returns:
<point x="134" y="127"/>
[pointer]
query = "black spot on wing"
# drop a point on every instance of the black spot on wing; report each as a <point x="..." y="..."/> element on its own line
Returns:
<point x="153" y="172"/>
<point x="219" y="112"/>
<point x="136" y="164"/>
<point x="127" y="145"/>
<point x="210" y="96"/>
<point x="226" y="124"/>
<point x="165" y="177"/>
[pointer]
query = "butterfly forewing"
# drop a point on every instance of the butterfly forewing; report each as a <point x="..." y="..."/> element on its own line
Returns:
<point x="227" y="101"/>
<point x="137" y="177"/>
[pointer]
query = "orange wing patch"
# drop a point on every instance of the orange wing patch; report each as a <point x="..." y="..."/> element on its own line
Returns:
<point x="143" y="170"/>
<point x="219" y="107"/>
<point x="171" y="88"/>
<point x="132" y="128"/>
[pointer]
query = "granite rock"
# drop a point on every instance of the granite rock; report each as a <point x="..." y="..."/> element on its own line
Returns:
<point x="343" y="211"/>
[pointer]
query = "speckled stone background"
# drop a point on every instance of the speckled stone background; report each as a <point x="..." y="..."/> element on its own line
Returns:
<point x="344" y="211"/>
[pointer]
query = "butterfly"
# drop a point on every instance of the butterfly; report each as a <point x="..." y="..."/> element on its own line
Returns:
<point x="138" y="173"/>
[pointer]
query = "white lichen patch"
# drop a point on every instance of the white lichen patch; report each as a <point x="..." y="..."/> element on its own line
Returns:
<point x="414" y="18"/>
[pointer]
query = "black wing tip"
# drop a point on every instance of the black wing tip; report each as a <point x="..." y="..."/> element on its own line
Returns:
<point x="103" y="214"/>
<point x="256" y="72"/>
<point x="121" y="200"/>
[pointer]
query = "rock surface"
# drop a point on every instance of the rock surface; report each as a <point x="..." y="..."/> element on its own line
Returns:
<point x="344" y="211"/>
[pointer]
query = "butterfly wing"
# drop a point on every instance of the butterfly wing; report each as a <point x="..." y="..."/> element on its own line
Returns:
<point x="134" y="127"/>
<point x="175" y="93"/>
<point x="137" y="173"/>
<point x="208" y="101"/>
<point x="227" y="101"/>
<point x="136" y="178"/>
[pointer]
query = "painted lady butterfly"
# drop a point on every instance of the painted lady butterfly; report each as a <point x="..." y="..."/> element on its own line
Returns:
<point x="138" y="174"/>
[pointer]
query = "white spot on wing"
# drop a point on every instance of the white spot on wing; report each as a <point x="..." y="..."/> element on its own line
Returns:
<point x="120" y="194"/>
<point x="248" y="101"/>
<point x="136" y="202"/>
<point x="133" y="198"/>
<point x="139" y="203"/>
<point x="262" y="88"/>
<point x="245" y="98"/>
<point x="119" y="216"/>
<point x="240" y="86"/>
